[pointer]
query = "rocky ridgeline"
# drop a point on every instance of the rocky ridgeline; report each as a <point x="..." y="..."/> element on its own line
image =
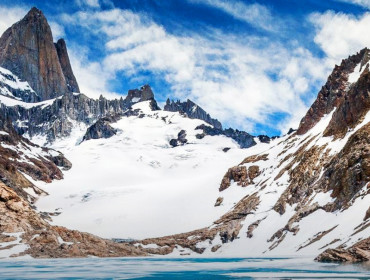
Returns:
<point x="192" y="111"/>
<point x="244" y="139"/>
<point x="59" y="118"/>
<point x="28" y="53"/>
<point x="335" y="93"/>
<point x="19" y="156"/>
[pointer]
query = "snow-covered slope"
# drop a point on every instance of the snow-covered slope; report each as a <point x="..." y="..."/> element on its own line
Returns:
<point x="142" y="172"/>
<point x="296" y="231"/>
<point x="135" y="184"/>
<point x="305" y="192"/>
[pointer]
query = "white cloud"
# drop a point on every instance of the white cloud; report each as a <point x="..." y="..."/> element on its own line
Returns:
<point x="340" y="35"/>
<point x="255" y="14"/>
<point x="91" y="77"/>
<point x="89" y="3"/>
<point x="10" y="15"/>
<point x="238" y="80"/>
<point x="363" y="3"/>
<point x="57" y="30"/>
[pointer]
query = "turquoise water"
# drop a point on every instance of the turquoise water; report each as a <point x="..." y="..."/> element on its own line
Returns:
<point x="184" y="268"/>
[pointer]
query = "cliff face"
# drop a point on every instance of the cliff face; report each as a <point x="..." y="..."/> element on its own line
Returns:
<point x="337" y="90"/>
<point x="61" y="48"/>
<point x="27" y="50"/>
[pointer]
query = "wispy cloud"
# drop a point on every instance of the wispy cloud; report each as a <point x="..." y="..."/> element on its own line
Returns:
<point x="10" y="15"/>
<point x="254" y="14"/>
<point x="241" y="81"/>
<point x="89" y="3"/>
<point x="92" y="78"/>
<point x="57" y="30"/>
<point x="363" y="3"/>
<point x="340" y="35"/>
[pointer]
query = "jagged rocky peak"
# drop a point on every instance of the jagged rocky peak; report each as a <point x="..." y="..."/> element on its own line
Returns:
<point x="145" y="93"/>
<point x="341" y="85"/>
<point x="27" y="49"/>
<point x="192" y="110"/>
<point x="61" y="48"/>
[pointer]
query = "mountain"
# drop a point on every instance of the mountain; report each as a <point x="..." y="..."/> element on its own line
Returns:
<point x="174" y="181"/>
<point x="305" y="192"/>
<point x="28" y="51"/>
<point x="192" y="110"/>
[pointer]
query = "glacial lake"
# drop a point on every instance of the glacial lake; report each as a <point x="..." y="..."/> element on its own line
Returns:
<point x="179" y="268"/>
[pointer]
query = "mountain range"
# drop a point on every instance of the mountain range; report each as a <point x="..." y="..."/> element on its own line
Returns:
<point x="173" y="181"/>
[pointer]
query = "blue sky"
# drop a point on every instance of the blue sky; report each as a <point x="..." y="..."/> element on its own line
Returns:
<point x="254" y="65"/>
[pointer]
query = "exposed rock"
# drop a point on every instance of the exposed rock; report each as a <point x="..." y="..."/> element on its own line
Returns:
<point x="291" y="130"/>
<point x="237" y="174"/>
<point x="27" y="49"/>
<point x="15" y="158"/>
<point x="316" y="238"/>
<point x="244" y="139"/>
<point x="61" y="161"/>
<point x="244" y="207"/>
<point x="241" y="175"/>
<point x="192" y="110"/>
<point x="215" y="248"/>
<point x="66" y="66"/>
<point x="349" y="171"/>
<point x="352" y="109"/>
<point x="11" y="86"/>
<point x="181" y="139"/>
<point x="219" y="201"/>
<point x="334" y="92"/>
<point x="254" y="158"/>
<point x="252" y="227"/>
<point x="367" y="215"/>
<point x="57" y="119"/>
<point x="145" y="93"/>
<point x="265" y="138"/>
<point x="46" y="241"/>
<point x="101" y="129"/>
<point x="359" y="252"/>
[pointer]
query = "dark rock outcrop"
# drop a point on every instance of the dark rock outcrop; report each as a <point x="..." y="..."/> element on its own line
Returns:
<point x="15" y="161"/>
<point x="56" y="120"/>
<point x="353" y="108"/>
<point x="334" y="92"/>
<point x="145" y="93"/>
<point x="101" y="129"/>
<point x="181" y="139"/>
<point x="27" y="49"/>
<point x="349" y="171"/>
<point x="240" y="174"/>
<point x="192" y="110"/>
<point x="9" y="87"/>
<point x="66" y="66"/>
<point x="244" y="139"/>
